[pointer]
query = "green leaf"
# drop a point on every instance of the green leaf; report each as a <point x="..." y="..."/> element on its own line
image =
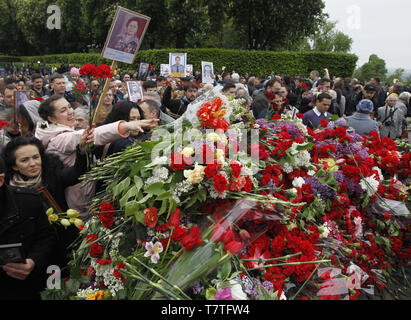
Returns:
<point x="163" y="208"/>
<point x="145" y="199"/>
<point x="130" y="193"/>
<point x="131" y="208"/>
<point x="139" y="216"/>
<point x="147" y="146"/>
<point x="210" y="293"/>
<point x="121" y="187"/>
<point x="225" y="270"/>
<point x="156" y="188"/>
<point x="138" y="182"/>
<point x="165" y="195"/>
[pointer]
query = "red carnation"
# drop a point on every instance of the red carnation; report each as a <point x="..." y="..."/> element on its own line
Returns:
<point x="236" y="169"/>
<point x="324" y="123"/>
<point x="179" y="233"/>
<point x="212" y="169"/>
<point x="234" y="247"/>
<point x="88" y="70"/>
<point x="220" y="183"/>
<point x="192" y="238"/>
<point x="174" y="220"/>
<point x="96" y="251"/>
<point x="150" y="217"/>
<point x="104" y="71"/>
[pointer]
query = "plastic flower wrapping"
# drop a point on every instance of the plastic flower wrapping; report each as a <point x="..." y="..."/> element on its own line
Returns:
<point x="220" y="206"/>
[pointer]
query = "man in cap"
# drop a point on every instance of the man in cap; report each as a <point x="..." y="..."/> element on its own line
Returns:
<point x="361" y="121"/>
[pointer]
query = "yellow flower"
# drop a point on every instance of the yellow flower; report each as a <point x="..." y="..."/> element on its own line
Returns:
<point x="195" y="176"/>
<point x="53" y="218"/>
<point x="212" y="137"/>
<point x="219" y="155"/>
<point x="71" y="213"/>
<point x="222" y="138"/>
<point x="100" y="295"/>
<point x="49" y="211"/>
<point x="65" y="223"/>
<point x="78" y="223"/>
<point x="187" y="152"/>
<point x="332" y="166"/>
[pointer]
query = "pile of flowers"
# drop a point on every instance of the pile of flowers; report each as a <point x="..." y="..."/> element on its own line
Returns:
<point x="233" y="208"/>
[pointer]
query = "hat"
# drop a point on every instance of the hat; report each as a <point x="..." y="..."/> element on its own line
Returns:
<point x="365" y="106"/>
<point x="74" y="72"/>
<point x="370" y="87"/>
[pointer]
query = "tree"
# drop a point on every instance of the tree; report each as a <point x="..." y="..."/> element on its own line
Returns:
<point x="157" y="35"/>
<point x="11" y="38"/>
<point x="398" y="74"/>
<point x="271" y="25"/>
<point x="329" y="39"/>
<point x="375" y="67"/>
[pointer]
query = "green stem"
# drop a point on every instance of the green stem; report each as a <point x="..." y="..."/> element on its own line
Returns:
<point x="289" y="264"/>
<point x="305" y="282"/>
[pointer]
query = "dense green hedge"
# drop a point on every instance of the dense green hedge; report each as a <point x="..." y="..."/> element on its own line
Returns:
<point x="258" y="62"/>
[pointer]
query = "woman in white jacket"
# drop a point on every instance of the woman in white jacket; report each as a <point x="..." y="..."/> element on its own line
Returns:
<point x="58" y="136"/>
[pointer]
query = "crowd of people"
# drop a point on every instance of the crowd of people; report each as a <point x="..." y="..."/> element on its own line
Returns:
<point x="43" y="146"/>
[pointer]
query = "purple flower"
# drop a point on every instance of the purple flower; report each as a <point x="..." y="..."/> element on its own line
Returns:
<point x="249" y="287"/>
<point x="324" y="191"/>
<point x="224" y="294"/>
<point x="197" y="287"/>
<point x="341" y="122"/>
<point x="268" y="286"/>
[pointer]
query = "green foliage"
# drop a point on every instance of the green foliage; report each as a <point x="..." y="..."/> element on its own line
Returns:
<point x="398" y="74"/>
<point x="328" y="38"/>
<point x="242" y="61"/>
<point x="375" y="67"/>
<point x="271" y="25"/>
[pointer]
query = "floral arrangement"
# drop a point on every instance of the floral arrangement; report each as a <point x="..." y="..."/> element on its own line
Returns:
<point x="251" y="210"/>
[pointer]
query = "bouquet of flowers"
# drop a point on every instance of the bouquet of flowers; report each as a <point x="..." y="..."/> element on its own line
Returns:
<point x="220" y="206"/>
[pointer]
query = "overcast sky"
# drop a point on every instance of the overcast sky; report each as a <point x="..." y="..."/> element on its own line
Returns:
<point x="377" y="26"/>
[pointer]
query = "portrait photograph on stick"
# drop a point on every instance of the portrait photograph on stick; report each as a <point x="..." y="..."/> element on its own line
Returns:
<point x="164" y="70"/>
<point x="126" y="34"/>
<point x="135" y="92"/>
<point x="207" y="71"/>
<point x="178" y="64"/>
<point x="143" y="71"/>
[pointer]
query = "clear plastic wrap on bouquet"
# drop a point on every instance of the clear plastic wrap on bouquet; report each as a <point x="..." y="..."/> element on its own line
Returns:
<point x="396" y="208"/>
<point x="193" y="107"/>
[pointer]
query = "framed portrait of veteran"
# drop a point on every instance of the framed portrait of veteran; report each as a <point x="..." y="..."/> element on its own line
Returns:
<point x="189" y="70"/>
<point x="165" y="70"/>
<point x="178" y="62"/>
<point x="207" y="71"/>
<point x="135" y="92"/>
<point x="125" y="36"/>
<point x="143" y="71"/>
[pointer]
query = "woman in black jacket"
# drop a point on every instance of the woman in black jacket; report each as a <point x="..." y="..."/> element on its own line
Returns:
<point x="29" y="167"/>
<point x="22" y="220"/>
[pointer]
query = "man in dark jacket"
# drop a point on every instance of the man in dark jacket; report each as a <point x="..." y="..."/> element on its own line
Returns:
<point x="369" y="92"/>
<point x="23" y="220"/>
<point x="38" y="86"/>
<point x="261" y="101"/>
<point x="179" y="106"/>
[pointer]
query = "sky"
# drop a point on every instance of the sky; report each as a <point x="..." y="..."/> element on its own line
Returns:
<point x="378" y="27"/>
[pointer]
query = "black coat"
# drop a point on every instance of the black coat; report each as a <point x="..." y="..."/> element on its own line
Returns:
<point x="23" y="220"/>
<point x="56" y="177"/>
<point x="177" y="106"/>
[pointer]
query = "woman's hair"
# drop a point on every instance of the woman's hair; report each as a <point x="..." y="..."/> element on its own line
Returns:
<point x="46" y="108"/>
<point x="339" y="88"/>
<point x="121" y="111"/>
<point x="13" y="145"/>
<point x="131" y="20"/>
